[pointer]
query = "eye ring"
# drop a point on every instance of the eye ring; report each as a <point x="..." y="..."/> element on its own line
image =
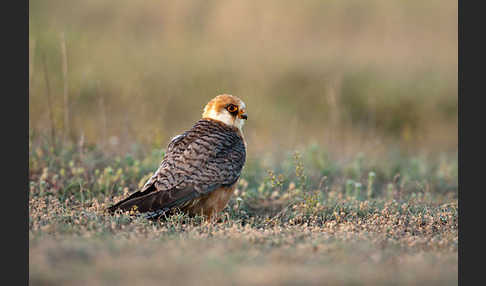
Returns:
<point x="232" y="108"/>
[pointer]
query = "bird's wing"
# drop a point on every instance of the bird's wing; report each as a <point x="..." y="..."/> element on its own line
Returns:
<point x="170" y="154"/>
<point x="208" y="156"/>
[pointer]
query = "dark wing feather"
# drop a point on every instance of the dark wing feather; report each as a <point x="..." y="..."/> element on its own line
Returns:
<point x="208" y="156"/>
<point x="148" y="187"/>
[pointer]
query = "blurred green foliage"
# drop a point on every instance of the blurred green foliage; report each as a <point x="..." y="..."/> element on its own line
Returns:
<point x="342" y="74"/>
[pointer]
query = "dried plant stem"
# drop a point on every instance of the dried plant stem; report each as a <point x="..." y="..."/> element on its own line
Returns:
<point x="32" y="65"/>
<point x="48" y="95"/>
<point x="333" y="90"/>
<point x="81" y="144"/>
<point x="31" y="71"/>
<point x="67" y="112"/>
<point x="103" y="120"/>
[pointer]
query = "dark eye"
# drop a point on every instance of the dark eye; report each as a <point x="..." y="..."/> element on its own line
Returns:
<point x="232" y="108"/>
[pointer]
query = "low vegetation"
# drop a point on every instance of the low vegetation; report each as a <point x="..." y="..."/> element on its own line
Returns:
<point x="304" y="219"/>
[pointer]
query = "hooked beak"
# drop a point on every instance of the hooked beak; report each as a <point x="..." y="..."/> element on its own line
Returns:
<point x="244" y="116"/>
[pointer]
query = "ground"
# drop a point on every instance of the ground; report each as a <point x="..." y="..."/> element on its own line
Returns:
<point x="300" y="222"/>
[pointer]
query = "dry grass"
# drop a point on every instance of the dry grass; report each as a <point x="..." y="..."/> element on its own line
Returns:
<point x="395" y="246"/>
<point x="284" y="226"/>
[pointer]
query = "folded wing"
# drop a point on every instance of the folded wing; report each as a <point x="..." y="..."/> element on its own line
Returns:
<point x="208" y="156"/>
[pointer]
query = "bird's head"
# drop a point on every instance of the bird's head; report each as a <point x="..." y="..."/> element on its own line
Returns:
<point x="228" y="109"/>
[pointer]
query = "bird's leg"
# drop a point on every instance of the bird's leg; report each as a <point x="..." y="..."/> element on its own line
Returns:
<point x="213" y="216"/>
<point x="210" y="217"/>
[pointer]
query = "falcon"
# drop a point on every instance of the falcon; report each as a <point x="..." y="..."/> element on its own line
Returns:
<point x="201" y="167"/>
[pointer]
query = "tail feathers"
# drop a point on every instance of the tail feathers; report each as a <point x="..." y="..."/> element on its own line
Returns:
<point x="156" y="200"/>
<point x="142" y="202"/>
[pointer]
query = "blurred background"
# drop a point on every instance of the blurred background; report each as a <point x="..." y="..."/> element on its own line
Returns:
<point x="350" y="76"/>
